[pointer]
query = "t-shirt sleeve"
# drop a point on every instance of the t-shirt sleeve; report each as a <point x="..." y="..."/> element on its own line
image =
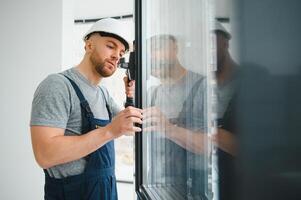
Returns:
<point x="51" y="104"/>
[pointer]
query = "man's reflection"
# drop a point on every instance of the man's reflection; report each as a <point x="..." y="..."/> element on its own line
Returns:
<point x="188" y="121"/>
<point x="168" y="158"/>
<point x="227" y="77"/>
<point x="176" y="80"/>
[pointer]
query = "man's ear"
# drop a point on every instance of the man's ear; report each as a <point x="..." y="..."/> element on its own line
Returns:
<point x="89" y="45"/>
<point x="176" y="48"/>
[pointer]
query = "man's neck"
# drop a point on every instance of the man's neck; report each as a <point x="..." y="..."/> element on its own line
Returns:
<point x="87" y="70"/>
<point x="176" y="74"/>
<point x="226" y="71"/>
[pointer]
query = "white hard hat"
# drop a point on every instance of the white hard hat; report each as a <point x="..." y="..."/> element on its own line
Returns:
<point x="220" y="27"/>
<point x="111" y="28"/>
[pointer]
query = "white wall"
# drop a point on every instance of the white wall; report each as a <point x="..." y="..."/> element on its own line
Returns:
<point x="36" y="40"/>
<point x="31" y="48"/>
<point x="86" y="9"/>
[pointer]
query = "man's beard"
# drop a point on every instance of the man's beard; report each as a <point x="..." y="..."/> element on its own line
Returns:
<point x="99" y="66"/>
<point x="161" y="73"/>
<point x="220" y="62"/>
<point x="162" y="69"/>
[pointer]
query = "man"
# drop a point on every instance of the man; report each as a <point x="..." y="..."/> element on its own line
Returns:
<point x="72" y="128"/>
<point x="168" y="98"/>
<point x="227" y="79"/>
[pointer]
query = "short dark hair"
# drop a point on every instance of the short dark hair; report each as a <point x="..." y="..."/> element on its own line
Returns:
<point x="227" y="36"/>
<point x="164" y="37"/>
<point x="160" y="41"/>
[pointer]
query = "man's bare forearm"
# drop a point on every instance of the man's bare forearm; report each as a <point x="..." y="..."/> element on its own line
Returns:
<point x="61" y="149"/>
<point x="191" y="141"/>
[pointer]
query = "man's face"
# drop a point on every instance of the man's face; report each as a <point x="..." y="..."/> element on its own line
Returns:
<point x="105" y="53"/>
<point x="163" y="57"/>
<point x="222" y="45"/>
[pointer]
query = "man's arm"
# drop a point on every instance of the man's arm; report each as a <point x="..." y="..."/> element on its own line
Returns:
<point x="225" y="140"/>
<point x="195" y="141"/>
<point x="190" y="140"/>
<point x="51" y="147"/>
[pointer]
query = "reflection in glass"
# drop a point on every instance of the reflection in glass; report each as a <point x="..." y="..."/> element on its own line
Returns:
<point x="177" y="63"/>
<point x="250" y="110"/>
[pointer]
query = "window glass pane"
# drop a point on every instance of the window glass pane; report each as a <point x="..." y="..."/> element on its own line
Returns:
<point x="245" y="54"/>
<point x="178" y="58"/>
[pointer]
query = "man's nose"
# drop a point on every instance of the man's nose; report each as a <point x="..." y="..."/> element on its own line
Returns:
<point x="116" y="57"/>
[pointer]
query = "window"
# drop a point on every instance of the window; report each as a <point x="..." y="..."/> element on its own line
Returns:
<point x="177" y="62"/>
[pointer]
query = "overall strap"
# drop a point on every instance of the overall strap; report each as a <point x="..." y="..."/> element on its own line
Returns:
<point x="189" y="101"/>
<point x="107" y="104"/>
<point x="83" y="102"/>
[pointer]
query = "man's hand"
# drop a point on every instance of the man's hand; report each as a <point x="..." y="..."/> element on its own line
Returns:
<point x="225" y="140"/>
<point x="129" y="87"/>
<point x="155" y="120"/>
<point x="124" y="122"/>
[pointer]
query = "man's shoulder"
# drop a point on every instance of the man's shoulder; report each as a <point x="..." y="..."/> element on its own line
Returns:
<point x="55" y="78"/>
<point x="51" y="104"/>
<point x="195" y="76"/>
<point x="54" y="83"/>
<point x="195" y="79"/>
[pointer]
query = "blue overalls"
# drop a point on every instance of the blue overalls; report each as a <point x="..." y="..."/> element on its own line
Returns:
<point x="98" y="181"/>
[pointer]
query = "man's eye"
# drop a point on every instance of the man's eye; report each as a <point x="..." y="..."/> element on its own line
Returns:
<point x="110" y="46"/>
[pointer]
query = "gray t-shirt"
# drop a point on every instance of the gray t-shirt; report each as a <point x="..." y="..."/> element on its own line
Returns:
<point x="172" y="158"/>
<point x="56" y="104"/>
<point x="170" y="98"/>
<point x="224" y="94"/>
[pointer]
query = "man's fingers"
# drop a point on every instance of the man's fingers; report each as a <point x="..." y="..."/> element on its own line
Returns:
<point x="133" y="131"/>
<point x="137" y="129"/>
<point x="150" y="129"/>
<point x="127" y="82"/>
<point x="133" y="112"/>
<point x="151" y="111"/>
<point x="131" y="83"/>
<point x="152" y="120"/>
<point x="135" y="120"/>
<point x="133" y="108"/>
